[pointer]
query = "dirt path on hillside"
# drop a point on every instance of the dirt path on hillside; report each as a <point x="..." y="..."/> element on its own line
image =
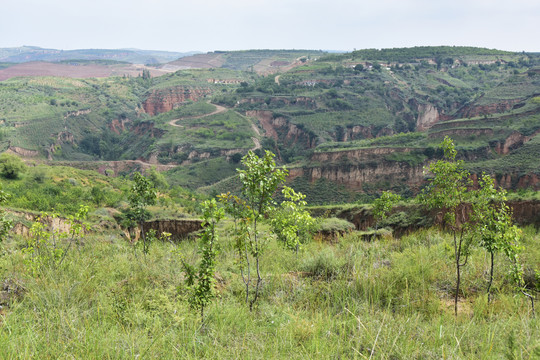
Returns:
<point x="148" y="165"/>
<point x="255" y="129"/>
<point x="219" y="109"/>
<point x="256" y="141"/>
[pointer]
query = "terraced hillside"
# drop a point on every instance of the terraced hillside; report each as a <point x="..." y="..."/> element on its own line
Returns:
<point x="347" y="124"/>
<point x="259" y="61"/>
<point x="384" y="114"/>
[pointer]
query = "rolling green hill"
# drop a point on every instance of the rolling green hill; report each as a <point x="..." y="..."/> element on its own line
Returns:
<point x="399" y="103"/>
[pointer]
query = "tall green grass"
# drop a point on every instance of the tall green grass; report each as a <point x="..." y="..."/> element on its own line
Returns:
<point x="387" y="299"/>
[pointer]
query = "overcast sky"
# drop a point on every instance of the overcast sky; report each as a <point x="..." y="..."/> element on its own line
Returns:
<point x="206" y="25"/>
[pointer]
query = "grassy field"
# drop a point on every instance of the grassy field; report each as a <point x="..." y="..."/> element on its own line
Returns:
<point x="62" y="189"/>
<point x="202" y="173"/>
<point x="387" y="299"/>
<point x="188" y="110"/>
<point x="227" y="130"/>
<point x="327" y="122"/>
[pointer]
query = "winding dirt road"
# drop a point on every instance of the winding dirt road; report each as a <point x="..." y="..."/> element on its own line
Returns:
<point x="219" y="109"/>
<point x="255" y="140"/>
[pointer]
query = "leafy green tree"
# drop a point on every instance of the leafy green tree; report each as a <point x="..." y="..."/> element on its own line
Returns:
<point x="260" y="179"/>
<point x="42" y="246"/>
<point x="493" y="225"/>
<point x="45" y="248"/>
<point x="517" y="273"/>
<point x="11" y="166"/>
<point x="146" y="74"/>
<point x="158" y="179"/>
<point x="142" y="195"/>
<point x="236" y="157"/>
<point x="439" y="61"/>
<point x="383" y="205"/>
<point x="238" y="209"/>
<point x="447" y="191"/>
<point x="291" y="222"/>
<point x="97" y="195"/>
<point x="77" y="228"/>
<point x="202" y="282"/>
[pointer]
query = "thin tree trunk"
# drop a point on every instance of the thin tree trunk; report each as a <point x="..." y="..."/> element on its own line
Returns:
<point x="490" y="277"/>
<point x="143" y="239"/>
<point x="65" y="252"/>
<point x="457" y="287"/>
<point x="457" y="274"/>
<point x="256" y="241"/>
<point x="530" y="298"/>
<point x="248" y="274"/>
<point x="457" y="252"/>
<point x="259" y="279"/>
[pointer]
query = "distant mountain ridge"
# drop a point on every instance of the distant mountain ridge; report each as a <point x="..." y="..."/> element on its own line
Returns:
<point x="33" y="53"/>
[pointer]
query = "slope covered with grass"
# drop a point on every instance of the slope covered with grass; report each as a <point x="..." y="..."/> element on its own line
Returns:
<point x="385" y="299"/>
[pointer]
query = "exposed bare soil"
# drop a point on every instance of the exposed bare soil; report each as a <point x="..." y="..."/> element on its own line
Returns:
<point x="199" y="61"/>
<point x="76" y="71"/>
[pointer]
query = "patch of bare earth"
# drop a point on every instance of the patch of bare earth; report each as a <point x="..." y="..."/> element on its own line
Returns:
<point x="199" y="61"/>
<point x="269" y="66"/>
<point x="39" y="68"/>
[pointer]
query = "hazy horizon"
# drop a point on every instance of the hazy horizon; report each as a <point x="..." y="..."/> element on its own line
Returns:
<point x="209" y="25"/>
<point x="250" y="49"/>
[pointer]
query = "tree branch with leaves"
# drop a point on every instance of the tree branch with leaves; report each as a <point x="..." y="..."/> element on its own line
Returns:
<point x="142" y="195"/>
<point x="201" y="282"/>
<point x="447" y="191"/>
<point x="260" y="180"/>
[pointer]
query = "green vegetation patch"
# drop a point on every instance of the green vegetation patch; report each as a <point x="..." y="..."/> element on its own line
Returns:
<point x="402" y="139"/>
<point x="518" y="88"/>
<point x="188" y="110"/>
<point x="323" y="191"/>
<point x="424" y="52"/>
<point x="522" y="161"/>
<point x="202" y="173"/>
<point x="227" y="130"/>
<point x="61" y="189"/>
<point x="330" y="300"/>
<point x="245" y="60"/>
<point x="322" y="123"/>
<point x="200" y="77"/>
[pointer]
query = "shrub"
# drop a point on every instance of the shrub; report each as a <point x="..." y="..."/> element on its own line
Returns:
<point x="324" y="265"/>
<point x="335" y="225"/>
<point x="11" y="166"/>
